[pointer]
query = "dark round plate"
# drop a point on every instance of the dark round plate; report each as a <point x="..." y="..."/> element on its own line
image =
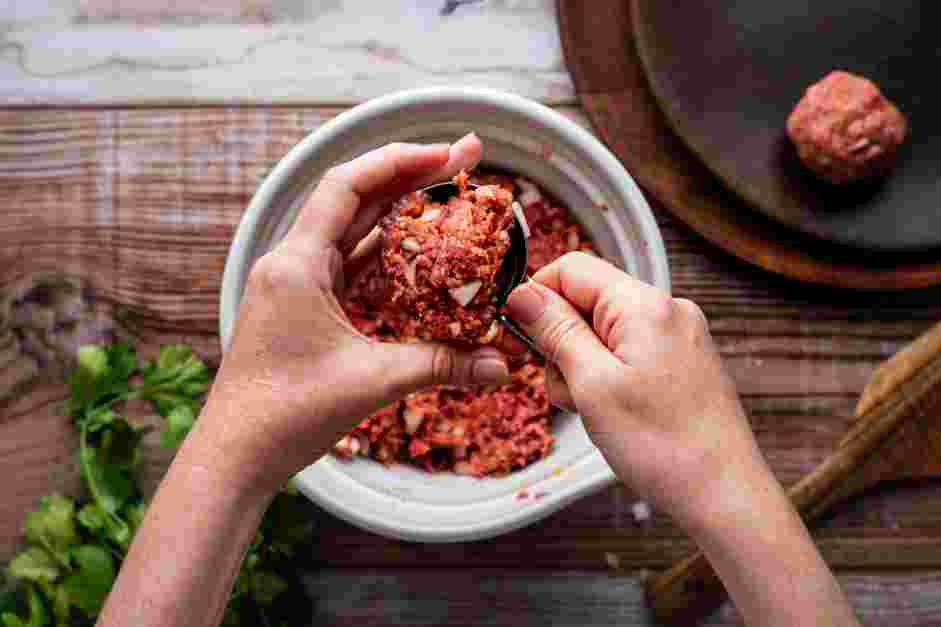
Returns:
<point x="726" y="75"/>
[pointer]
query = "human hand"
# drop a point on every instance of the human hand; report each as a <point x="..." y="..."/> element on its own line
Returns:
<point x="298" y="375"/>
<point x="643" y="371"/>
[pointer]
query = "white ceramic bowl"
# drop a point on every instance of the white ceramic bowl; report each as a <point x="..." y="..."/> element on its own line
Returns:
<point x="520" y="136"/>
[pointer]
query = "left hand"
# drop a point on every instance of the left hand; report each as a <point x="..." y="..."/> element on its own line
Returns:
<point x="298" y="375"/>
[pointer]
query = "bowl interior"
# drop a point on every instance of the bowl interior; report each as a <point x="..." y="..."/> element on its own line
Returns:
<point x="610" y="209"/>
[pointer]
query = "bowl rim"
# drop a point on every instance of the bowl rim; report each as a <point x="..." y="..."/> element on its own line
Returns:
<point x="237" y="269"/>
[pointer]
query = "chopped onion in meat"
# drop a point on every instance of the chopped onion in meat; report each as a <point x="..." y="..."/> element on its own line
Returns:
<point x="464" y="294"/>
<point x="412" y="419"/>
<point x="430" y="215"/>
<point x="530" y="193"/>
<point x="411" y="244"/>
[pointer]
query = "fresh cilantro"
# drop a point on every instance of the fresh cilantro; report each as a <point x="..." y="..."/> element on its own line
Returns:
<point x="110" y="486"/>
<point x="72" y="553"/>
<point x="134" y="514"/>
<point x="92" y="517"/>
<point x="34" y="564"/>
<point x="7" y="598"/>
<point x="101" y="376"/>
<point x="58" y="597"/>
<point x="266" y="586"/>
<point x="88" y="586"/>
<point x="52" y="527"/>
<point x="179" y="422"/>
<point x="37" y="616"/>
<point x="178" y="378"/>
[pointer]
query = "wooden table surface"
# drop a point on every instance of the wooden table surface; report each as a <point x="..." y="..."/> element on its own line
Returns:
<point x="132" y="137"/>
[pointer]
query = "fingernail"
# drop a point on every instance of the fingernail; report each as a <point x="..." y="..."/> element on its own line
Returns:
<point x="526" y="303"/>
<point x="470" y="135"/>
<point x="438" y="146"/>
<point x="491" y="370"/>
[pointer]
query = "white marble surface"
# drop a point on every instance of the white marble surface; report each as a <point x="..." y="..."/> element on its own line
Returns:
<point x="314" y="52"/>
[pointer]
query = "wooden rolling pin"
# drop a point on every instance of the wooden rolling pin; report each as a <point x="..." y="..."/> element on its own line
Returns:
<point x="897" y="435"/>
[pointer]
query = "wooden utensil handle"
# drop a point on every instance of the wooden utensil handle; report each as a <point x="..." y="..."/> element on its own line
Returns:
<point x="685" y="593"/>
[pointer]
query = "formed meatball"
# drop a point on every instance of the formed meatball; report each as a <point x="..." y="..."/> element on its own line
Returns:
<point x="480" y="431"/>
<point x="441" y="261"/>
<point x="845" y="130"/>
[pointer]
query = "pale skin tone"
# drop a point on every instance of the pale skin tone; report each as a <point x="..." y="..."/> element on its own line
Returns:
<point x="639" y="366"/>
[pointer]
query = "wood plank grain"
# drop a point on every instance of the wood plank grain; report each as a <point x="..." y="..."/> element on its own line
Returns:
<point x="135" y="52"/>
<point x="141" y="205"/>
<point x="570" y="598"/>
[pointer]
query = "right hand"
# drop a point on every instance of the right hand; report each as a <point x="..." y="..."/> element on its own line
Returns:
<point x="642" y="370"/>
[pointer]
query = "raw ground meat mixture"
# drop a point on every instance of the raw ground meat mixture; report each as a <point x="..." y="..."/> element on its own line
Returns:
<point x="845" y="130"/>
<point x="441" y="262"/>
<point x="472" y="431"/>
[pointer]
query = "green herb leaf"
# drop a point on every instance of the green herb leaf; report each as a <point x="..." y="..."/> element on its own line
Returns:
<point x="111" y="486"/>
<point x="102" y="375"/>
<point x="92" y="367"/>
<point x="34" y="564"/>
<point x="134" y="515"/>
<point x="58" y="597"/>
<point x="89" y="585"/>
<point x="98" y="418"/>
<point x="38" y="615"/>
<point x="177" y="378"/>
<point x="7" y="598"/>
<point x="119" y="444"/>
<point x="52" y="526"/>
<point x="265" y="586"/>
<point x="92" y="518"/>
<point x="179" y="421"/>
<point x="285" y="524"/>
<point x="107" y="474"/>
<point x="231" y="617"/>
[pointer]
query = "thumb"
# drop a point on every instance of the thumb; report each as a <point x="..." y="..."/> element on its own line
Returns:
<point x="557" y="328"/>
<point x="417" y="365"/>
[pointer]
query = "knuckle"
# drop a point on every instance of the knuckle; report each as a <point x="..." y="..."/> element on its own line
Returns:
<point x="690" y="311"/>
<point x="270" y="272"/>
<point x="692" y="317"/>
<point x="617" y="305"/>
<point x="558" y="337"/>
<point x="659" y="310"/>
<point x="573" y="258"/>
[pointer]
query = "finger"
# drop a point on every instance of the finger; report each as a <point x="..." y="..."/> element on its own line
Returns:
<point x="413" y="366"/>
<point x="331" y="207"/>
<point x="557" y="328"/>
<point x="559" y="394"/>
<point x="582" y="280"/>
<point x="464" y="154"/>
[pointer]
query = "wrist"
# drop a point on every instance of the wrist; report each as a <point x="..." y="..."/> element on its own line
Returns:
<point x="743" y="502"/>
<point x="224" y="453"/>
<point x="731" y="489"/>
